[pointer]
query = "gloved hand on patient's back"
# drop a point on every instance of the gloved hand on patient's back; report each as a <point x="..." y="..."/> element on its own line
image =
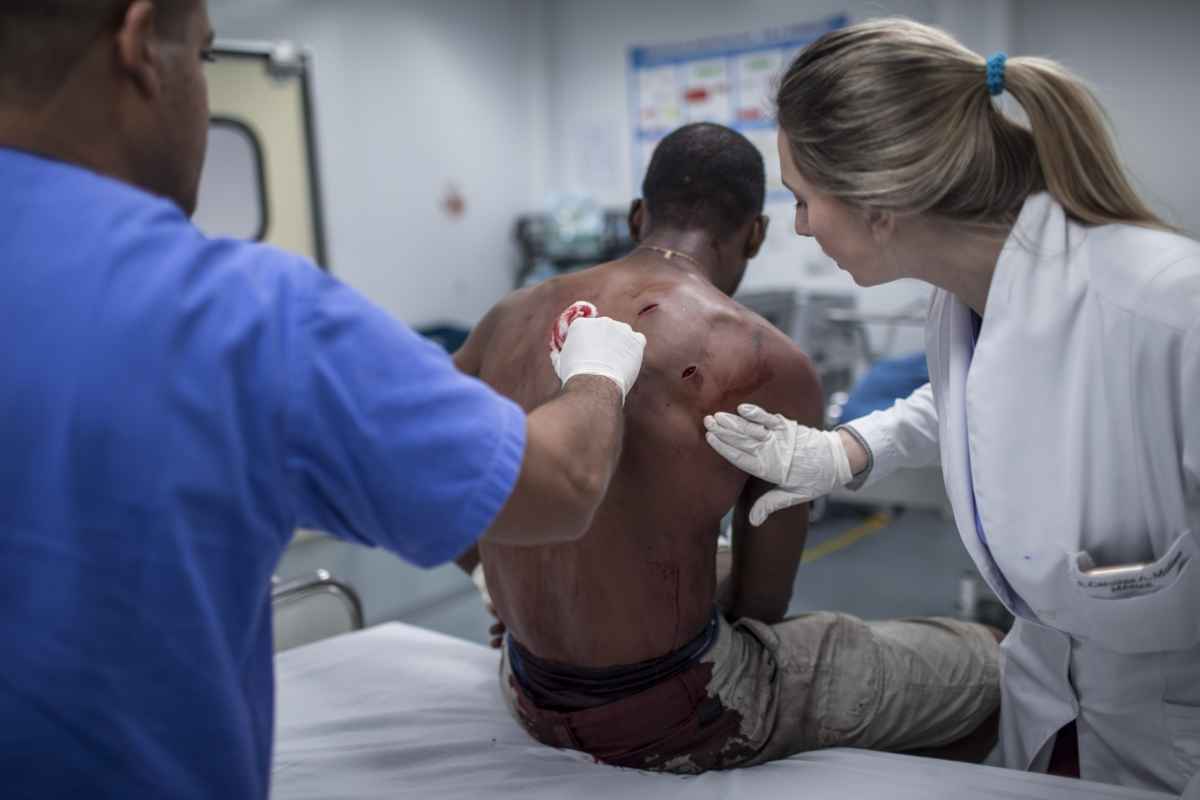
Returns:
<point x="804" y="463"/>
<point x="586" y="344"/>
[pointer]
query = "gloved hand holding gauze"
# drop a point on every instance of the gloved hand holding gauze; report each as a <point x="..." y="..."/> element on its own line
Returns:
<point x="804" y="463"/>
<point x="595" y="345"/>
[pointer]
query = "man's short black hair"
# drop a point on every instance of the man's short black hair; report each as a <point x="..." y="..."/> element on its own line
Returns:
<point x="41" y="41"/>
<point x="704" y="176"/>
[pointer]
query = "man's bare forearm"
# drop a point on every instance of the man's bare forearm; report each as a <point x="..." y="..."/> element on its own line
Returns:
<point x="765" y="560"/>
<point x="573" y="444"/>
<point x="590" y="414"/>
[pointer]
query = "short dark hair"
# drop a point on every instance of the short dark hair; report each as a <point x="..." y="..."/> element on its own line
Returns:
<point x="706" y="176"/>
<point x="41" y="41"/>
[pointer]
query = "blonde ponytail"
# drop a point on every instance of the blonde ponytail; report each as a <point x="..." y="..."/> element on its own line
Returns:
<point x="891" y="114"/>
<point x="1074" y="147"/>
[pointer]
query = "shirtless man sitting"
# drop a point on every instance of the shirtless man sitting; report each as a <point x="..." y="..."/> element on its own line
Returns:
<point x="620" y="644"/>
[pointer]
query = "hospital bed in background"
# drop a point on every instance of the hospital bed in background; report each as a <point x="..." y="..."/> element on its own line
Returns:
<point x="396" y="711"/>
<point x="886" y="381"/>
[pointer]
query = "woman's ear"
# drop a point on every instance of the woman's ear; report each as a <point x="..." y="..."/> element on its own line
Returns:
<point x="882" y="224"/>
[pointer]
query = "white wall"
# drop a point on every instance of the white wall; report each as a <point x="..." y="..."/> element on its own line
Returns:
<point x="1141" y="61"/>
<point x="412" y="97"/>
<point x="588" y="54"/>
<point x="1139" y="57"/>
<point x="514" y="98"/>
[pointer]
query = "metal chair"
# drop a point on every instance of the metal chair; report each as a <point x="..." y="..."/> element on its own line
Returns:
<point x="312" y="607"/>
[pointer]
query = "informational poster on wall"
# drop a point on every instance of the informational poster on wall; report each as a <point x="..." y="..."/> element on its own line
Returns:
<point x="728" y="80"/>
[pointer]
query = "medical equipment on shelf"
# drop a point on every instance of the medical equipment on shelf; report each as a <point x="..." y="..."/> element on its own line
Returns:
<point x="573" y="233"/>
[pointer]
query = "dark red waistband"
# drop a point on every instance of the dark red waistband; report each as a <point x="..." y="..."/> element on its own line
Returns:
<point x="561" y="687"/>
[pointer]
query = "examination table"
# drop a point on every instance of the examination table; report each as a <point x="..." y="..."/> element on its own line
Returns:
<point x="397" y="711"/>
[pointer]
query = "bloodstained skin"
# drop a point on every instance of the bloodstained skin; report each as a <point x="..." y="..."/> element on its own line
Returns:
<point x="641" y="582"/>
<point x="558" y="331"/>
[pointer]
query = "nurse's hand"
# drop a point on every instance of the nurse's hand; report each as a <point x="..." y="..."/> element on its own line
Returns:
<point x="804" y="463"/>
<point x="598" y="346"/>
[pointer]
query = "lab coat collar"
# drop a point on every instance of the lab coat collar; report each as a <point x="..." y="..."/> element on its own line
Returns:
<point x="952" y="346"/>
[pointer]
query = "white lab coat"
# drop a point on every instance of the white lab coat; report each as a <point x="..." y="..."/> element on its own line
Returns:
<point x="1074" y="429"/>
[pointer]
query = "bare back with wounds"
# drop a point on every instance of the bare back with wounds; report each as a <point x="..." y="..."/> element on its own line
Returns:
<point x="642" y="581"/>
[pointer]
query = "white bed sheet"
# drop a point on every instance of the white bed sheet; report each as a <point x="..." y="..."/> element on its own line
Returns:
<point x="397" y="711"/>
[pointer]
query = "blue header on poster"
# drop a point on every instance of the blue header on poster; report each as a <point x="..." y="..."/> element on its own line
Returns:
<point x="644" y="57"/>
<point x="718" y="79"/>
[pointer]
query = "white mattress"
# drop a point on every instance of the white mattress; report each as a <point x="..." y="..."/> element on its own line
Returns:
<point x="396" y="711"/>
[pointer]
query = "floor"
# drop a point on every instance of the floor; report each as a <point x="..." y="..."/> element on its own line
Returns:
<point x="882" y="564"/>
<point x="869" y="562"/>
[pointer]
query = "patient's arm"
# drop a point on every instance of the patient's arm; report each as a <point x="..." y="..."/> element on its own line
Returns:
<point x="765" y="559"/>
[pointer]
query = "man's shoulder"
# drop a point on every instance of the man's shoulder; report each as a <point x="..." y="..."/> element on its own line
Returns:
<point x="789" y="383"/>
<point x="80" y="197"/>
<point x="117" y="216"/>
<point x="757" y="361"/>
<point x="750" y="330"/>
<point x="515" y="302"/>
<point x="516" y="305"/>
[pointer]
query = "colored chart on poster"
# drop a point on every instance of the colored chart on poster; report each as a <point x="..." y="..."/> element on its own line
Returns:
<point x="728" y="80"/>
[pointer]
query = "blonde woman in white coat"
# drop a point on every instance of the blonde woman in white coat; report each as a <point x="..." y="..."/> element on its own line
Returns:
<point x="1064" y="357"/>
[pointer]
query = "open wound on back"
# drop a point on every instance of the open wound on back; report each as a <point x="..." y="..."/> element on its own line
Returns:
<point x="648" y="309"/>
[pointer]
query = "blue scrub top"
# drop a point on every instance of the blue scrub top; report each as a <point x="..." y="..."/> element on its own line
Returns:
<point x="171" y="408"/>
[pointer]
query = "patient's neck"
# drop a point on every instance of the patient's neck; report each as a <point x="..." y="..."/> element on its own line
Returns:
<point x="699" y="252"/>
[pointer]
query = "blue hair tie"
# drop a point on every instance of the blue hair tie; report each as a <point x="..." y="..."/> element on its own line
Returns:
<point x="995" y="73"/>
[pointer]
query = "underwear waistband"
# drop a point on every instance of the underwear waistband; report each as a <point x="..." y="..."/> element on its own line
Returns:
<point x="561" y="687"/>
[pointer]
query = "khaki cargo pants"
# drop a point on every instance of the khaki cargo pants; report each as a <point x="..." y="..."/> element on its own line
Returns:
<point x="765" y="692"/>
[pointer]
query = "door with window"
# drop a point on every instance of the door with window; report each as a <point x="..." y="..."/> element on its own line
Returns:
<point x="260" y="180"/>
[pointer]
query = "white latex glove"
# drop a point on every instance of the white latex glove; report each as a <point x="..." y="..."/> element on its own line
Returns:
<point x="600" y="346"/>
<point x="804" y="463"/>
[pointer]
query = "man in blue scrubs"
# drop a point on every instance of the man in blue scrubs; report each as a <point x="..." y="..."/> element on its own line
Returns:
<point x="172" y="407"/>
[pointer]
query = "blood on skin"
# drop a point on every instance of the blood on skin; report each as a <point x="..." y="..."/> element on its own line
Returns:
<point x="756" y="374"/>
<point x="648" y="308"/>
<point x="558" y="333"/>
